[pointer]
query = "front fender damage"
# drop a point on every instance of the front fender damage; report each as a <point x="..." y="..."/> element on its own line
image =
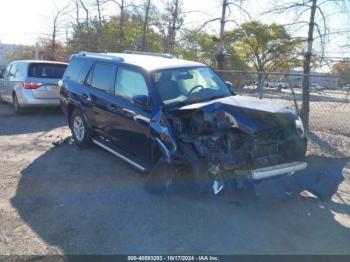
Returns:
<point x="164" y="137"/>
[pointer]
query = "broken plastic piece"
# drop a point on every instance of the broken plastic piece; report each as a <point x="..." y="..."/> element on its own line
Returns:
<point x="218" y="185"/>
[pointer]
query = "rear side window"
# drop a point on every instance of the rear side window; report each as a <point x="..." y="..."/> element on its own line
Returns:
<point x="78" y="69"/>
<point x="41" y="70"/>
<point x="103" y="77"/>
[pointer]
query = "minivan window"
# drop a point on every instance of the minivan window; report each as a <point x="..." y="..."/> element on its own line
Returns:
<point x="13" y="71"/>
<point x="130" y="83"/>
<point x="7" y="71"/>
<point x="46" y="70"/>
<point x="103" y="77"/>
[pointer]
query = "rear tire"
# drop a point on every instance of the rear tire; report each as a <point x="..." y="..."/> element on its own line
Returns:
<point x="16" y="106"/>
<point x="81" y="132"/>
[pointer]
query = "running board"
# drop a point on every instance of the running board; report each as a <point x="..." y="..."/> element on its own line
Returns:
<point x="272" y="171"/>
<point x="115" y="151"/>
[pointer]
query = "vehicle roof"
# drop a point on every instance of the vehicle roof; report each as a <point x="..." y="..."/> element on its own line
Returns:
<point x="38" y="62"/>
<point x="149" y="62"/>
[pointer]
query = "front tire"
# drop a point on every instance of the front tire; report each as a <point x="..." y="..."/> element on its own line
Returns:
<point x="81" y="133"/>
<point x="159" y="180"/>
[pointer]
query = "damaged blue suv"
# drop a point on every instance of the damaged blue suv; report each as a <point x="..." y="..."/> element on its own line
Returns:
<point x="174" y="118"/>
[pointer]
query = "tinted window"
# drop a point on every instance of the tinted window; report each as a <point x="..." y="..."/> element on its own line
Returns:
<point x="103" y="77"/>
<point x="78" y="69"/>
<point x="42" y="70"/>
<point x="7" y="71"/>
<point x="130" y="83"/>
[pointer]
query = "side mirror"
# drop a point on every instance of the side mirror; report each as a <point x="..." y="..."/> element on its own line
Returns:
<point x="229" y="84"/>
<point x="141" y="101"/>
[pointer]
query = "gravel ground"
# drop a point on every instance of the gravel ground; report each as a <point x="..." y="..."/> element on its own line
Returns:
<point x="62" y="200"/>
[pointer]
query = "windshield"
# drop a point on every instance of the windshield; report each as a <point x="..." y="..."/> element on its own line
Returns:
<point x="182" y="86"/>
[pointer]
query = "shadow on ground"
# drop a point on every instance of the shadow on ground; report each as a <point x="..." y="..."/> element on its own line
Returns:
<point x="34" y="120"/>
<point x="89" y="202"/>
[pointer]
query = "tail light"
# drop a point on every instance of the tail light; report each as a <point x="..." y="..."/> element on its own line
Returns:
<point x="31" y="85"/>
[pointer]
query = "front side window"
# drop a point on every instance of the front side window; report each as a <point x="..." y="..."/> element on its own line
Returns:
<point x="188" y="85"/>
<point x="103" y="77"/>
<point x="130" y="84"/>
<point x="7" y="71"/>
<point x="13" y="71"/>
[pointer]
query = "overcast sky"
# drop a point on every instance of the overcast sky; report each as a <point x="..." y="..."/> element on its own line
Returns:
<point x="23" y="21"/>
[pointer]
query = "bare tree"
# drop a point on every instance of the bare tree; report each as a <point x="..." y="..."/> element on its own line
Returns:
<point x="145" y="25"/>
<point x="305" y="111"/>
<point x="173" y="26"/>
<point x="99" y="26"/>
<point x="56" y="27"/>
<point x="315" y="7"/>
<point x="226" y="11"/>
<point x="122" y="10"/>
<point x="86" y="10"/>
<point x="220" y="56"/>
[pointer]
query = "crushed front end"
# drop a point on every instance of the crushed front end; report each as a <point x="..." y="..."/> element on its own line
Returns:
<point x="242" y="141"/>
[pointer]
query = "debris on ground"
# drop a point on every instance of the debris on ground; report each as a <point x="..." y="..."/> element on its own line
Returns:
<point x="60" y="141"/>
<point x="321" y="178"/>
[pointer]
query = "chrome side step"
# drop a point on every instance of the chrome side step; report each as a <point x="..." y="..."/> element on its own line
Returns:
<point x="277" y="170"/>
<point x="100" y="143"/>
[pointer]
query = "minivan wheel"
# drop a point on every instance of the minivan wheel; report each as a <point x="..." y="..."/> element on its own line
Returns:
<point x="81" y="132"/>
<point x="18" y="109"/>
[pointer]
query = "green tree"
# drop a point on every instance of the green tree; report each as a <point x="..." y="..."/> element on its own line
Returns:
<point x="266" y="47"/>
<point x="199" y="47"/>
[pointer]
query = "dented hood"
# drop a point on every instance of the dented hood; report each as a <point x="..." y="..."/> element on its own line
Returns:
<point x="251" y="114"/>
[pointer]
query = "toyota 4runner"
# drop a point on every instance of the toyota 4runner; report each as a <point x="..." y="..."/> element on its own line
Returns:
<point x="171" y="117"/>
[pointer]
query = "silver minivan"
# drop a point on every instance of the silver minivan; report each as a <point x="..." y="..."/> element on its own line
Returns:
<point x="31" y="83"/>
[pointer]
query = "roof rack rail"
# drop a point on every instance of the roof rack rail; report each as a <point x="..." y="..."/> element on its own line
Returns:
<point x="101" y="55"/>
<point x="164" y="55"/>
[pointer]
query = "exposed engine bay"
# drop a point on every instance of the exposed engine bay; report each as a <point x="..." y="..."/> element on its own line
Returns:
<point x="236" y="137"/>
<point x="217" y="137"/>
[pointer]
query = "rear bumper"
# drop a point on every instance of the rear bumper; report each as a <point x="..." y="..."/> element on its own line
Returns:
<point x="273" y="171"/>
<point x="27" y="99"/>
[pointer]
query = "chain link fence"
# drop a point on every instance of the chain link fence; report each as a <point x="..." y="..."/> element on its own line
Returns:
<point x="329" y="132"/>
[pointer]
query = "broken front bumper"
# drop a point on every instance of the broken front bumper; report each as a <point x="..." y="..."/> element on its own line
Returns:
<point x="277" y="170"/>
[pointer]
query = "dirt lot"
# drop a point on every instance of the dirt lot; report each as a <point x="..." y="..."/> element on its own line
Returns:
<point x="62" y="200"/>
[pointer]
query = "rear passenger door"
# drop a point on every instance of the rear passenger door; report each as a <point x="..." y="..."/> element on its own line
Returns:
<point x="101" y="93"/>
